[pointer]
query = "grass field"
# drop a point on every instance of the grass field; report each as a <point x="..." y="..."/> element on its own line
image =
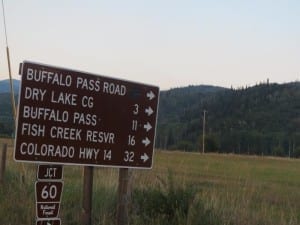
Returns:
<point x="182" y="188"/>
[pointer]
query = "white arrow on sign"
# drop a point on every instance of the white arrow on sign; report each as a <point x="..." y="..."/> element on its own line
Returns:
<point x="149" y="111"/>
<point x="146" y="141"/>
<point x="144" y="157"/>
<point x="150" y="95"/>
<point x="147" y="126"/>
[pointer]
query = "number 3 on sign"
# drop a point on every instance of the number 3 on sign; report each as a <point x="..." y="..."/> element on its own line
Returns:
<point x="129" y="156"/>
<point x="136" y="109"/>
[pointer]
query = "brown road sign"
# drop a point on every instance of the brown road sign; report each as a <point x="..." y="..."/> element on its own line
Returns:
<point x="47" y="210"/>
<point x="72" y="117"/>
<point x="50" y="172"/>
<point x="49" y="222"/>
<point x="48" y="191"/>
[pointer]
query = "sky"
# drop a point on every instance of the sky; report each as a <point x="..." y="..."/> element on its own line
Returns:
<point x="169" y="43"/>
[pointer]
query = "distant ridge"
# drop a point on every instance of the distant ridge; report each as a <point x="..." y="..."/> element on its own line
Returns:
<point x="5" y="86"/>
<point x="261" y="119"/>
<point x="198" y="88"/>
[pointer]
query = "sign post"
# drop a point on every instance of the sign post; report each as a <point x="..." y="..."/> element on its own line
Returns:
<point x="124" y="193"/>
<point x="87" y="195"/>
<point x="3" y="163"/>
<point x="77" y="118"/>
<point x="48" y="191"/>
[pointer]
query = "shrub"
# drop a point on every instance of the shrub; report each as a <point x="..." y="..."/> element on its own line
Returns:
<point x="172" y="206"/>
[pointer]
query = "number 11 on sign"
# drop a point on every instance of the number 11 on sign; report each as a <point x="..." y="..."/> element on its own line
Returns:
<point x="134" y="125"/>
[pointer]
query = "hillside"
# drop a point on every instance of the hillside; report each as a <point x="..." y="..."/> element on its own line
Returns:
<point x="263" y="119"/>
<point x="6" y="119"/>
<point x="5" y="86"/>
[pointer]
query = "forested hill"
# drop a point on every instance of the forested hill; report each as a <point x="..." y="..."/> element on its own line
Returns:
<point x="6" y="119"/>
<point x="5" y="86"/>
<point x="263" y="119"/>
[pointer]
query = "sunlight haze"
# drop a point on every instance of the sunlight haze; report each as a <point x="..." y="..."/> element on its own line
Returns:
<point x="161" y="42"/>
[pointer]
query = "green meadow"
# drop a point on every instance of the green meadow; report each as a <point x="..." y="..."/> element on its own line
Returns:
<point x="181" y="188"/>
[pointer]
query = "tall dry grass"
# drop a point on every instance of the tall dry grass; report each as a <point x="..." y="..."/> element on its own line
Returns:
<point x="200" y="189"/>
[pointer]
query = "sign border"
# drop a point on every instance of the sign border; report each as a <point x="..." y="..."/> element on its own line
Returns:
<point x="92" y="74"/>
<point x="46" y="218"/>
<point x="47" y="181"/>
